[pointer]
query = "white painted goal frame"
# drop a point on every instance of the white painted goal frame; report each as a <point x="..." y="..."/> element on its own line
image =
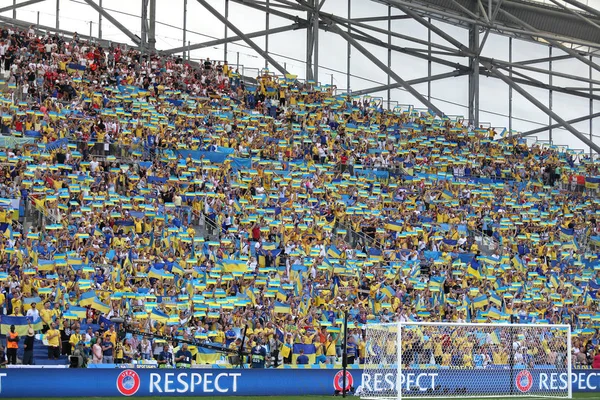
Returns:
<point x="528" y="378"/>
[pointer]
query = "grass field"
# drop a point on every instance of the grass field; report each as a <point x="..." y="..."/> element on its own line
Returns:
<point x="576" y="396"/>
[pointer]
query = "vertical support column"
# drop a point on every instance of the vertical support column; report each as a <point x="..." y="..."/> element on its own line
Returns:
<point x="226" y="30"/>
<point x="591" y="105"/>
<point x="389" y="55"/>
<point x="348" y="50"/>
<point x="510" y="91"/>
<point x="185" y="27"/>
<point x="550" y="94"/>
<point x="309" y="45"/>
<point x="316" y="41"/>
<point x="267" y="35"/>
<point x="144" y="25"/>
<point x="474" y="75"/>
<point x="100" y="21"/>
<point x="152" y="26"/>
<point x="57" y="14"/>
<point x="429" y="61"/>
<point x="14" y="9"/>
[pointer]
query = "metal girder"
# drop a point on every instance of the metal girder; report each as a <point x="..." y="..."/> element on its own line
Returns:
<point x="440" y="32"/>
<point x="545" y="86"/>
<point x="387" y="70"/>
<point x="473" y="98"/>
<point x="544" y="60"/>
<point x="492" y="25"/>
<point x="552" y="41"/>
<point x="578" y="15"/>
<point x="583" y="7"/>
<point x="545" y="128"/>
<point x="410" y="82"/>
<point x="152" y="26"/>
<point x="541" y="106"/>
<point x="134" y="38"/>
<point x="379" y="19"/>
<point x="19" y="5"/>
<point x="245" y="38"/>
<point x="230" y="39"/>
<point x="259" y="6"/>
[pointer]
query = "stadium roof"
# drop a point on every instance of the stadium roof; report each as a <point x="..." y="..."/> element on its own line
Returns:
<point x="570" y="22"/>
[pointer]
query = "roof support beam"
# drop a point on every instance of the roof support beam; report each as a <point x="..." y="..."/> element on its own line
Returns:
<point x="553" y="42"/>
<point x="553" y="126"/>
<point x="576" y="14"/>
<point x="583" y="7"/>
<point x="19" y="5"/>
<point x="377" y="19"/>
<point x="411" y="82"/>
<point x="544" y="60"/>
<point x="493" y="25"/>
<point x="245" y="38"/>
<point x="231" y="39"/>
<point x="541" y="106"/>
<point x="387" y="70"/>
<point x="134" y="38"/>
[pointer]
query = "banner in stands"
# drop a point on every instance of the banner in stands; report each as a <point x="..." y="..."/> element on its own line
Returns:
<point x="265" y="382"/>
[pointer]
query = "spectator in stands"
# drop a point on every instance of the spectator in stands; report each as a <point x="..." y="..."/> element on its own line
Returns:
<point x="52" y="337"/>
<point x="12" y="345"/>
<point x="258" y="355"/>
<point x="302" y="359"/>
<point x="28" y="347"/>
<point x="183" y="357"/>
<point x="3" y="360"/>
<point x="165" y="358"/>
<point x="97" y="352"/>
<point x="108" y="349"/>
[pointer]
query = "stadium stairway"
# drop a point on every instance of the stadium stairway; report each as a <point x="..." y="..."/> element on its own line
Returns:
<point x="40" y="354"/>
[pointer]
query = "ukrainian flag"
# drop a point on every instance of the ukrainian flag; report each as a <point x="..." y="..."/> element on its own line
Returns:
<point x="334" y="252"/>
<point x="554" y="281"/>
<point x="494" y="313"/>
<point x="309" y="350"/>
<point x="282" y="308"/>
<point x="388" y="291"/>
<point x="158" y="315"/>
<point x="567" y="235"/>
<point x="494" y="298"/>
<point x="21" y="324"/>
<point x="230" y="265"/>
<point x="87" y="298"/>
<point x="592" y="182"/>
<point x="100" y="306"/>
<point x="80" y="312"/>
<point x="250" y="294"/>
<point x="447" y="195"/>
<point x="159" y="274"/>
<point x="481" y="301"/>
<point x="269" y="246"/>
<point x="393" y="226"/>
<point x="473" y="269"/>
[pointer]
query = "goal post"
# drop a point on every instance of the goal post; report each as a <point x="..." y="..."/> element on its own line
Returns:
<point x="463" y="360"/>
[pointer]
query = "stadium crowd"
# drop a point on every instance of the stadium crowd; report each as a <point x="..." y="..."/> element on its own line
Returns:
<point x="310" y="203"/>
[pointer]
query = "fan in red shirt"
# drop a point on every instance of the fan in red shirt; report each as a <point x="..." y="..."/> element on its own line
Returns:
<point x="596" y="362"/>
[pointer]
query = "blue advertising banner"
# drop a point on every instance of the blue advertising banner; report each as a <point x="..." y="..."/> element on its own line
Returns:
<point x="34" y="382"/>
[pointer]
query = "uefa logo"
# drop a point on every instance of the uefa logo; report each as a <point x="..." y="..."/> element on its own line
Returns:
<point x="338" y="381"/>
<point x="128" y="382"/>
<point x="524" y="381"/>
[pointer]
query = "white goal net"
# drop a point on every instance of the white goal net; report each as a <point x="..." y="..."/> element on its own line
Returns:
<point x="466" y="360"/>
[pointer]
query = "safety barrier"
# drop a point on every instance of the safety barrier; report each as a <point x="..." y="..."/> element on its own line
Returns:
<point x="258" y="382"/>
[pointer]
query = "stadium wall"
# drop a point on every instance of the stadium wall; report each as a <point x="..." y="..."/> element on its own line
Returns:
<point x="41" y="382"/>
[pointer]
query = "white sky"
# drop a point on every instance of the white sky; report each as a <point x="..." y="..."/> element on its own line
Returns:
<point x="288" y="49"/>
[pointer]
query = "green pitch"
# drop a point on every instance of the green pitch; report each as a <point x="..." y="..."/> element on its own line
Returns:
<point x="576" y="396"/>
